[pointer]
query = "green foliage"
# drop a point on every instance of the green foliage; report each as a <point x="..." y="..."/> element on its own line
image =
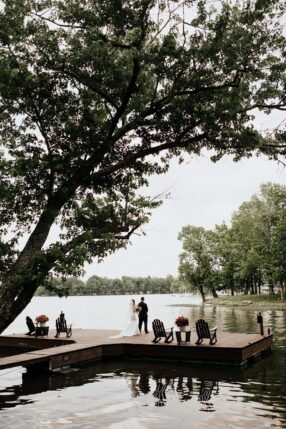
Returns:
<point x="245" y="256"/>
<point x="96" y="96"/>
<point x="96" y="285"/>
<point x="197" y="263"/>
<point x="254" y="299"/>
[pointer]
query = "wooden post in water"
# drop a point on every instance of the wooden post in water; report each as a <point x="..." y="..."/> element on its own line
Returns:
<point x="260" y="321"/>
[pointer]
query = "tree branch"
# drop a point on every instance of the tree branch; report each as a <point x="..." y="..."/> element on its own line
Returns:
<point x="103" y="37"/>
<point x="95" y="234"/>
<point x="145" y="152"/>
<point x="278" y="106"/>
<point x="82" y="81"/>
<point x="129" y="92"/>
<point x="42" y="129"/>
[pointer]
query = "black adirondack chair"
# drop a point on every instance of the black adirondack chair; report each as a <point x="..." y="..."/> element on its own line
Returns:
<point x="203" y="331"/>
<point x="160" y="332"/>
<point x="31" y="326"/>
<point x="62" y="327"/>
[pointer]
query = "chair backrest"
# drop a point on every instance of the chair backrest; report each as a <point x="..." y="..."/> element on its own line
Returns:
<point x="202" y="328"/>
<point x="30" y="324"/>
<point x="158" y="328"/>
<point x="61" y="325"/>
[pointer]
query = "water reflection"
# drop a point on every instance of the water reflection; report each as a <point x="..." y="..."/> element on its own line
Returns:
<point x="156" y="379"/>
<point x="186" y="388"/>
<point x="157" y="385"/>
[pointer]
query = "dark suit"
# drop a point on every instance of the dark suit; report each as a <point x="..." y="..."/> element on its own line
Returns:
<point x="143" y="316"/>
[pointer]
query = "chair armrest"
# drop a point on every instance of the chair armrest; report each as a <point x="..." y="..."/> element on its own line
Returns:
<point x="213" y="329"/>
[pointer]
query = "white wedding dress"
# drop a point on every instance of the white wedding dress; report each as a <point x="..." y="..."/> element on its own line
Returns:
<point x="131" y="326"/>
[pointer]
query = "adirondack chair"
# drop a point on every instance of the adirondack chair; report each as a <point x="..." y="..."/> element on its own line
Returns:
<point x="31" y="326"/>
<point x="203" y="331"/>
<point x="62" y="327"/>
<point x="160" y="332"/>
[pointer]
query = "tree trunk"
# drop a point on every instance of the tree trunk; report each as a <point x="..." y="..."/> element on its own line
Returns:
<point x="246" y="288"/>
<point x="29" y="270"/>
<point x="282" y="291"/>
<point x="271" y="285"/>
<point x="252" y="291"/>
<point x="232" y="287"/>
<point x="214" y="294"/>
<point x="255" y="286"/>
<point x="201" y="290"/>
<point x="259" y="285"/>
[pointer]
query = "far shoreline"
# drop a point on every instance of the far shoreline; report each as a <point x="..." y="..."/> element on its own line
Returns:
<point x="255" y="302"/>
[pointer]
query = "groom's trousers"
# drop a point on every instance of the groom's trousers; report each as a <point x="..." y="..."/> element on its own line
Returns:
<point x="144" y="320"/>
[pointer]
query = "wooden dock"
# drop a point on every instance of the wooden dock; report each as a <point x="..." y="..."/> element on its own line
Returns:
<point x="89" y="345"/>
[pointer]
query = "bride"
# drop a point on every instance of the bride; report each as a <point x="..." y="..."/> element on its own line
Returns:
<point x="131" y="327"/>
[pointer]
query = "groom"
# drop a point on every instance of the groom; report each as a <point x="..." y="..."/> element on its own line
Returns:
<point x="143" y="315"/>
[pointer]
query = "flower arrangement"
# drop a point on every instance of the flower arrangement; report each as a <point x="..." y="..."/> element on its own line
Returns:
<point x="182" y="321"/>
<point x="42" y="318"/>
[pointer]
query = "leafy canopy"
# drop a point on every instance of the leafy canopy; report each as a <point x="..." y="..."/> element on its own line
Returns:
<point x="95" y="96"/>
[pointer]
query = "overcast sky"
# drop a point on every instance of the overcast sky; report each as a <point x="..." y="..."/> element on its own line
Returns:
<point x="202" y="194"/>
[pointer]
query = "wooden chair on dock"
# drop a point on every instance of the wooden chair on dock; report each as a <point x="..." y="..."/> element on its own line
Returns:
<point x="160" y="332"/>
<point x="31" y="326"/>
<point x="62" y="327"/>
<point x="203" y="331"/>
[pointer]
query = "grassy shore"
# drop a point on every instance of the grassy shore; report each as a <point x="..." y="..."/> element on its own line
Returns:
<point x="270" y="302"/>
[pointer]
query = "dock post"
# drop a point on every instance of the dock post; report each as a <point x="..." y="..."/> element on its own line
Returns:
<point x="260" y="321"/>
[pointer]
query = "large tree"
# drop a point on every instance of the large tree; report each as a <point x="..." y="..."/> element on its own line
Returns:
<point x="198" y="265"/>
<point x="259" y="236"/>
<point x="97" y="95"/>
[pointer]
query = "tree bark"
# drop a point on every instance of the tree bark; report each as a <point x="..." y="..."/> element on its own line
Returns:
<point x="247" y="287"/>
<point x="27" y="273"/>
<point x="214" y="293"/>
<point x="201" y="290"/>
<point x="282" y="290"/>
<point x="271" y="285"/>
<point x="232" y="287"/>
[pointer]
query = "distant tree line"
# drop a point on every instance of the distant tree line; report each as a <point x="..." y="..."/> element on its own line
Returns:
<point x="96" y="285"/>
<point x="248" y="256"/>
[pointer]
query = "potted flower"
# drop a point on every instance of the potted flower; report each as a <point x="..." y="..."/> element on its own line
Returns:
<point x="182" y="322"/>
<point x="42" y="319"/>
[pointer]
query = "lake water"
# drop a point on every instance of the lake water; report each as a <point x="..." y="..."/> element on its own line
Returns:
<point x="142" y="394"/>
